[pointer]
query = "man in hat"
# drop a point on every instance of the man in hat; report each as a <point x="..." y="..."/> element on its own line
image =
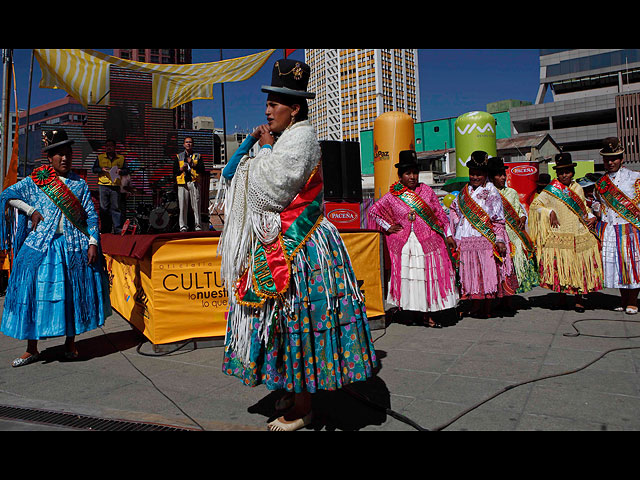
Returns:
<point x="562" y="226"/>
<point x="486" y="269"/>
<point x="618" y="193"/>
<point x="293" y="294"/>
<point x="188" y="168"/>
<point x="58" y="285"/>
<point x="420" y="243"/>
<point x="523" y="254"/>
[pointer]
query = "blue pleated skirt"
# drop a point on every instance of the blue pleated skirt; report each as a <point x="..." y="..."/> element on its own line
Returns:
<point x="58" y="295"/>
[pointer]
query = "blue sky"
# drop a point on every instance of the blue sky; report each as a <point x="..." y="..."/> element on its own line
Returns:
<point x="452" y="82"/>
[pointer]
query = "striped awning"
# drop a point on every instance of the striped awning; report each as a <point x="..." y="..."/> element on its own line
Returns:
<point x="84" y="74"/>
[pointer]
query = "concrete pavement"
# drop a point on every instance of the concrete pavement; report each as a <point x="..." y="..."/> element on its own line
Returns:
<point x="427" y="378"/>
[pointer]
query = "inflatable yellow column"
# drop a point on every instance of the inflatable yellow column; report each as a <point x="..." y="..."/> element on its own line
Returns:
<point x="393" y="132"/>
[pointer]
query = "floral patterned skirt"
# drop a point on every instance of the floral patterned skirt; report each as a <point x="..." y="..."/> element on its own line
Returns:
<point x="325" y="342"/>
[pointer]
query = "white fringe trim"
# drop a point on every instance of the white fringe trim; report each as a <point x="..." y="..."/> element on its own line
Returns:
<point x="242" y="319"/>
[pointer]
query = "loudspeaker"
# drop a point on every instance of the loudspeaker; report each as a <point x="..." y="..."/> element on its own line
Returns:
<point x="341" y="170"/>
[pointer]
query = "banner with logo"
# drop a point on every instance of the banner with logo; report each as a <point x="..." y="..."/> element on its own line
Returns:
<point x="343" y="215"/>
<point x="189" y="298"/>
<point x="176" y="293"/>
<point x="523" y="178"/>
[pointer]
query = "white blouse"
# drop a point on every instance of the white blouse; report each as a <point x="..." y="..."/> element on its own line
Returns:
<point x="489" y="199"/>
<point x="625" y="180"/>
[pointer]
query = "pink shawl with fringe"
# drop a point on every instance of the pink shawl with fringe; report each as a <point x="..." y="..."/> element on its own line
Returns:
<point x="391" y="210"/>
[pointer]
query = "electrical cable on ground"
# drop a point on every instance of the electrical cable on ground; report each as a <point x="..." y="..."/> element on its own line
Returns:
<point x="403" y="418"/>
<point x="577" y="333"/>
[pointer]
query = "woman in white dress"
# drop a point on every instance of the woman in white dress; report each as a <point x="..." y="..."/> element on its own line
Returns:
<point x="618" y="195"/>
<point x="418" y="238"/>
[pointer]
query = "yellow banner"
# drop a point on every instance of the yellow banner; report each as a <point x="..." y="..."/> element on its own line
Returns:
<point x="176" y="293"/>
<point x="364" y="250"/>
<point x="131" y="291"/>
<point x="84" y="74"/>
<point x="189" y="299"/>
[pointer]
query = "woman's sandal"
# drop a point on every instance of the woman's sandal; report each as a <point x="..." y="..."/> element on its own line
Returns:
<point x="631" y="310"/>
<point x="279" y="426"/>
<point x="21" y="362"/>
<point x="432" y="324"/>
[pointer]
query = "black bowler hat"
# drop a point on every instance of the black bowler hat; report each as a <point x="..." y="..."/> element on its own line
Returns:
<point x="563" y="160"/>
<point x="290" y="77"/>
<point x="544" y="179"/>
<point x="611" y="147"/>
<point x="55" y="138"/>
<point x="496" y="165"/>
<point x="479" y="160"/>
<point x="407" y="159"/>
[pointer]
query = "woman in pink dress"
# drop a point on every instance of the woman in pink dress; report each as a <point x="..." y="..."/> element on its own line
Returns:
<point x="418" y="233"/>
<point x="477" y="214"/>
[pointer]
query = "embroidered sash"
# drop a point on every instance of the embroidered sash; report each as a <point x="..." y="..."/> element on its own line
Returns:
<point x="478" y="218"/>
<point x="418" y="205"/>
<point x="573" y="202"/>
<point x="272" y="263"/>
<point x="48" y="181"/>
<point x="618" y="201"/>
<point x="511" y="216"/>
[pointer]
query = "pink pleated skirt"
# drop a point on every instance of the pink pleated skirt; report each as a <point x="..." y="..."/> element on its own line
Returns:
<point x="481" y="274"/>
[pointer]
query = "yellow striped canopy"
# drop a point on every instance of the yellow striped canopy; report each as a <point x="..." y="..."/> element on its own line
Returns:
<point x="84" y="74"/>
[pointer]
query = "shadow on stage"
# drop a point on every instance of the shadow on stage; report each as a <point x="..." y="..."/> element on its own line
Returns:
<point x="351" y="408"/>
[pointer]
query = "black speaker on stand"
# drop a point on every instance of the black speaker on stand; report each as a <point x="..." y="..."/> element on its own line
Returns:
<point x="341" y="171"/>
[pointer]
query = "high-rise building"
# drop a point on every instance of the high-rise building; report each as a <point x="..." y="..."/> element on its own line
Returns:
<point x="595" y="93"/>
<point x="183" y="113"/>
<point x="355" y="86"/>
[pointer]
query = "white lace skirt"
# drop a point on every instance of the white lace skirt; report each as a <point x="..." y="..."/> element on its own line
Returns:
<point x="416" y="281"/>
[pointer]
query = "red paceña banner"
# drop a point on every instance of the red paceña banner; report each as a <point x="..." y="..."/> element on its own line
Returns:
<point x="523" y="178"/>
<point x="342" y="214"/>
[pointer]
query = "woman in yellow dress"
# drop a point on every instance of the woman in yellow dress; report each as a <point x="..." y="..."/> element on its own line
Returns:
<point x="563" y="228"/>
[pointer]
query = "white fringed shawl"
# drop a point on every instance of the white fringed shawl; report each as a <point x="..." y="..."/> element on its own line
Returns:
<point x="261" y="188"/>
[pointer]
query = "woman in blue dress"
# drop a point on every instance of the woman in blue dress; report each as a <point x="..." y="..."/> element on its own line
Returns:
<point x="58" y="284"/>
<point x="297" y="319"/>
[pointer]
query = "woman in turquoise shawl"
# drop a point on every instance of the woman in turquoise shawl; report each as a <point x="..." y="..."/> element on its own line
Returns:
<point x="58" y="284"/>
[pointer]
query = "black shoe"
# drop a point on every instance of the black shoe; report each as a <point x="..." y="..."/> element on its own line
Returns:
<point x="432" y="325"/>
<point x="579" y="309"/>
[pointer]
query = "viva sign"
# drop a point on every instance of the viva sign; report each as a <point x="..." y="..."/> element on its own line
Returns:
<point x="473" y="131"/>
